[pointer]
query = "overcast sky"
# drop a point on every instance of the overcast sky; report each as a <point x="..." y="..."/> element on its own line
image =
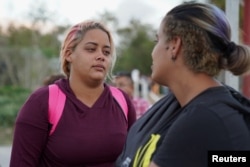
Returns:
<point x="73" y="11"/>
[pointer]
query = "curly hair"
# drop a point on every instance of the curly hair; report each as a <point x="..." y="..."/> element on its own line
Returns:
<point x="206" y="37"/>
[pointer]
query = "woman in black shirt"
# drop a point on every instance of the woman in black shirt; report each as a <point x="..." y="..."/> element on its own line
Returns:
<point x="200" y="114"/>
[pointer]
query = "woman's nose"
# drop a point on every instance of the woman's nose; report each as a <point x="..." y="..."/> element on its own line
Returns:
<point x="100" y="56"/>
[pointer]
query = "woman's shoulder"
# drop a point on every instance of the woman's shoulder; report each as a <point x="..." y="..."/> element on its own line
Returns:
<point x="40" y="94"/>
<point x="38" y="102"/>
<point x="214" y="99"/>
<point x="40" y="91"/>
<point x="217" y="116"/>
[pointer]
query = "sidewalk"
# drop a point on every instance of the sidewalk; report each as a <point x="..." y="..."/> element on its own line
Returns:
<point x="5" y="152"/>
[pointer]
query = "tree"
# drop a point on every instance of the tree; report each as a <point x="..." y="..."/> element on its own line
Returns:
<point x="27" y="51"/>
<point x="135" y="47"/>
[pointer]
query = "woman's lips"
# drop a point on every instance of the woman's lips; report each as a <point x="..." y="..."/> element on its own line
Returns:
<point x="99" y="67"/>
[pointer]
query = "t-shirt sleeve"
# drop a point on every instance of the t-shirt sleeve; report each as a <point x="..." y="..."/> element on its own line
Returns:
<point x="186" y="142"/>
<point x="31" y="130"/>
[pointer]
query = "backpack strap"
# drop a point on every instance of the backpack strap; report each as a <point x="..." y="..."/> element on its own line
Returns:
<point x="56" y="105"/>
<point x="119" y="97"/>
<point x="57" y="100"/>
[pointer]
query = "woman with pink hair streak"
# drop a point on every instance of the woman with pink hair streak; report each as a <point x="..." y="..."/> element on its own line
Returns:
<point x="92" y="128"/>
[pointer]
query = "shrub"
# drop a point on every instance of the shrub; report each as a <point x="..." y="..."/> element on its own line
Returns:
<point x="11" y="100"/>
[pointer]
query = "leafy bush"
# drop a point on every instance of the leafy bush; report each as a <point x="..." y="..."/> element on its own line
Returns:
<point x="11" y="100"/>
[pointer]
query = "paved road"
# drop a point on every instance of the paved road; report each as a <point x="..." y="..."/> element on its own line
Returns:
<point x="5" y="156"/>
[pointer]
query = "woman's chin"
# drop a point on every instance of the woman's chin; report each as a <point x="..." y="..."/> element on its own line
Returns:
<point x="98" y="77"/>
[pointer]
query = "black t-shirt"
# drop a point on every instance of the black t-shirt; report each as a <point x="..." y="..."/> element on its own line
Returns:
<point x="183" y="136"/>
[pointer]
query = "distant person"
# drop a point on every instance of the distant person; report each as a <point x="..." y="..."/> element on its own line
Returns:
<point x="51" y="79"/>
<point x="92" y="128"/>
<point x="124" y="81"/>
<point x="154" y="92"/>
<point x="199" y="114"/>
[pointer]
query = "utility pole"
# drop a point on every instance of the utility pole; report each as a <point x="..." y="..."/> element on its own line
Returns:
<point x="232" y="12"/>
<point x="246" y="39"/>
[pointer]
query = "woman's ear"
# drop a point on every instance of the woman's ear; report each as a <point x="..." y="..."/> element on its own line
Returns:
<point x="68" y="55"/>
<point x="176" y="45"/>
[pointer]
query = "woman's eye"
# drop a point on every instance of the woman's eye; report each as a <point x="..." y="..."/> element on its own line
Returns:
<point x="90" y="49"/>
<point x="107" y="53"/>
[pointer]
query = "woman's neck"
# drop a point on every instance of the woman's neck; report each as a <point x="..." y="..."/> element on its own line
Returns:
<point x="86" y="92"/>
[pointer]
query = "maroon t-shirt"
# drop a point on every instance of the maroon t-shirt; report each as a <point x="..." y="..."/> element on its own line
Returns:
<point x="83" y="137"/>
